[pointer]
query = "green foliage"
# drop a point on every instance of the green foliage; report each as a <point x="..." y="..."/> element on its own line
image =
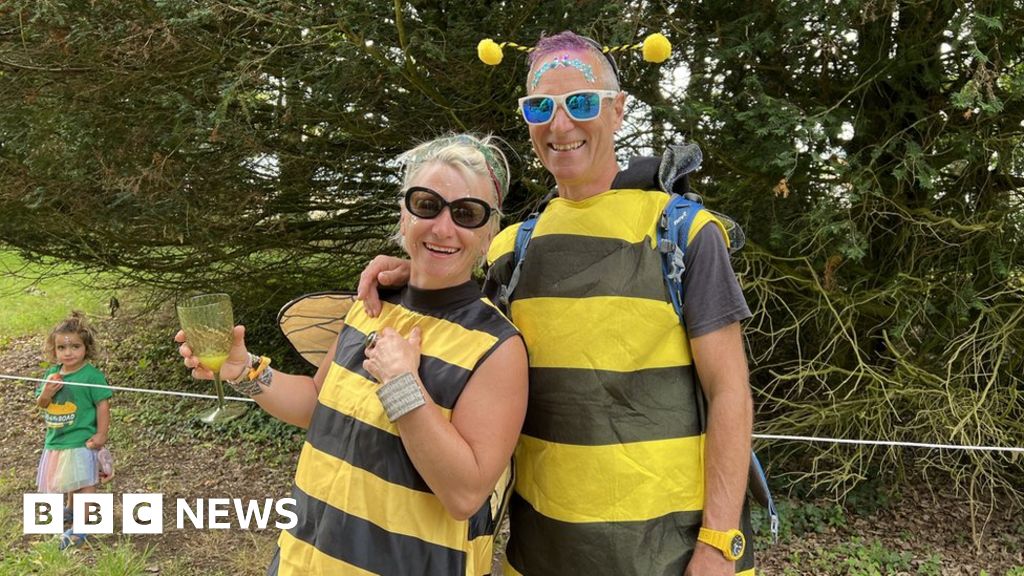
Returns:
<point x="883" y="255"/>
<point x="871" y="150"/>
<point x="43" y="559"/>
<point x="122" y="560"/>
<point x="799" y="518"/>
<point x="863" y="558"/>
<point x="871" y="496"/>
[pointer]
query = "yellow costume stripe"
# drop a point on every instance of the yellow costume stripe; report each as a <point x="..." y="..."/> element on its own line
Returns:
<point x="623" y="482"/>
<point x="699" y="221"/>
<point x="441" y="338"/>
<point x="503" y="243"/>
<point x="628" y="215"/>
<point x="356" y="396"/>
<point x="611" y="226"/>
<point x="507" y="568"/>
<point x="480" y="555"/>
<point x="312" y="560"/>
<point x="654" y="338"/>
<point x="376" y="500"/>
<point x="496" y="309"/>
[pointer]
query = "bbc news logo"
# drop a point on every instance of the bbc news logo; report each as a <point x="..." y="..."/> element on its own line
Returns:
<point x="144" y="513"/>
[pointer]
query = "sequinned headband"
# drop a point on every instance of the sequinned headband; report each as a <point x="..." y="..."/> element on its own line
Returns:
<point x="576" y="63"/>
<point x="495" y="168"/>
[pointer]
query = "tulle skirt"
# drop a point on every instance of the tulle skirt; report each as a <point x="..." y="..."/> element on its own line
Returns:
<point x="62" y="471"/>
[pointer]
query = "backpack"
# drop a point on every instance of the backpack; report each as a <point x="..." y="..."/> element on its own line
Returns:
<point x="674" y="225"/>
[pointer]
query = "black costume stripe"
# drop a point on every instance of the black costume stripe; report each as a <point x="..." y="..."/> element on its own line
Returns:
<point x="365" y="453"/>
<point x="349" y="352"/>
<point x="548" y="542"/>
<point x="501" y="263"/>
<point x="478" y="315"/>
<point x="480" y="523"/>
<point x="373" y="449"/>
<point x="481" y="317"/>
<point x="351" y="539"/>
<point x="443" y="381"/>
<point x="444" y="384"/>
<point x="586" y="266"/>
<point x="611" y="407"/>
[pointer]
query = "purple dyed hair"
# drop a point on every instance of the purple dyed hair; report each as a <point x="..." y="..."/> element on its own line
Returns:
<point x="571" y="42"/>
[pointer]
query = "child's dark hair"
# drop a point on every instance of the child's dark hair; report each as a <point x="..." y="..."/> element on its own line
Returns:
<point x="73" y="324"/>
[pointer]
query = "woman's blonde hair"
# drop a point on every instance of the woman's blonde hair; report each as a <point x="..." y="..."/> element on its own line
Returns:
<point x="470" y="154"/>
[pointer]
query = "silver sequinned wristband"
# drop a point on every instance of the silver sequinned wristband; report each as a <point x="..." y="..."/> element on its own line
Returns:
<point x="400" y="395"/>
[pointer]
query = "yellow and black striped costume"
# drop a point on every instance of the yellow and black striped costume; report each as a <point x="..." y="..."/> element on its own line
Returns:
<point x="610" y="477"/>
<point x="362" y="506"/>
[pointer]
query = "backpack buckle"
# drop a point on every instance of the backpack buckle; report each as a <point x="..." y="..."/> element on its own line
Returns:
<point x="678" y="267"/>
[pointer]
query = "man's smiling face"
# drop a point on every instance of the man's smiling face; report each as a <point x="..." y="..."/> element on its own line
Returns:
<point x="576" y="151"/>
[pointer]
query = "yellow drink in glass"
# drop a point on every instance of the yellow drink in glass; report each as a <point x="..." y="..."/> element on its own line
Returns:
<point x="208" y="322"/>
<point x="213" y="361"/>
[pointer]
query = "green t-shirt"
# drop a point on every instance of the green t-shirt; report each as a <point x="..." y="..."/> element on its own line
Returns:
<point x="71" y="415"/>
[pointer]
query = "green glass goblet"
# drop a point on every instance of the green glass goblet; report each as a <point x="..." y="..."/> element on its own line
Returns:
<point x="208" y="322"/>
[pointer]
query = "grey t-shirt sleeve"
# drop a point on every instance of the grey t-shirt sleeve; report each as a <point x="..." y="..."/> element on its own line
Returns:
<point x="712" y="297"/>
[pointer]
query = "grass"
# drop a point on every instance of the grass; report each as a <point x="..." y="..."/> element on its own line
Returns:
<point x="40" y="555"/>
<point x="36" y="298"/>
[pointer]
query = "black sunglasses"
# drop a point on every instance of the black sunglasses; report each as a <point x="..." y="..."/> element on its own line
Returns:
<point x="466" y="212"/>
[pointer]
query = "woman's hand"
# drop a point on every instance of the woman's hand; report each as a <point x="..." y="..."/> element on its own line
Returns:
<point x="238" y="357"/>
<point x="391" y="355"/>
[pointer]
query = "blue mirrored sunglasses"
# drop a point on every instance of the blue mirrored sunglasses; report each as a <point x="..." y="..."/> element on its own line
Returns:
<point x="581" y="105"/>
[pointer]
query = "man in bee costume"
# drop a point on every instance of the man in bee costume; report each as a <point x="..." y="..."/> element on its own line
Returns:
<point x="634" y="454"/>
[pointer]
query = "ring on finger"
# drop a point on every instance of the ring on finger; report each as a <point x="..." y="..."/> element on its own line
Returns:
<point x="371" y="341"/>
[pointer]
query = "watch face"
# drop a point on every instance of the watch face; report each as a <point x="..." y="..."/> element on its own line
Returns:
<point x="737" y="545"/>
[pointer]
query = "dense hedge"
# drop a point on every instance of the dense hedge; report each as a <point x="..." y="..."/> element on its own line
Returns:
<point x="872" y="151"/>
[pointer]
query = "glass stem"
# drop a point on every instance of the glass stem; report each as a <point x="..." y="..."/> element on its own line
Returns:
<point x="219" y="387"/>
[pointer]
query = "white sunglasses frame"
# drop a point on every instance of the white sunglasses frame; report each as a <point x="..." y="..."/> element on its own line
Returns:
<point x="559" y="101"/>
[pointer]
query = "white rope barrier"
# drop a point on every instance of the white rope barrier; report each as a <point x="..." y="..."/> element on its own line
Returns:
<point x="757" y="436"/>
<point x="127" y="389"/>
<point x="889" y="443"/>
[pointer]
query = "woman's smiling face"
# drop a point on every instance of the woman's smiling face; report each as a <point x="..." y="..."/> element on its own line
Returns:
<point x="442" y="253"/>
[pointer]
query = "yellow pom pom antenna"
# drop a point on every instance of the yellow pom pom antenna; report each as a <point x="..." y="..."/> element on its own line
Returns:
<point x="656" y="48"/>
<point x="489" y="52"/>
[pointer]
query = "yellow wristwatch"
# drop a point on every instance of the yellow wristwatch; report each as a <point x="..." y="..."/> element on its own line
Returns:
<point x="731" y="543"/>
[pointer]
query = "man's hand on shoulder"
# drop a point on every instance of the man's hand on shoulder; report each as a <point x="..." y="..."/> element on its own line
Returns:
<point x="381" y="271"/>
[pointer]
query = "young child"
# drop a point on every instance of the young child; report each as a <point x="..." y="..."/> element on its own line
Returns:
<point x="77" y="417"/>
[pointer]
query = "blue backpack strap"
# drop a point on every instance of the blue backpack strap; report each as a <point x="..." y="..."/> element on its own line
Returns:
<point x="523" y="236"/>
<point x="763" y="495"/>
<point x="673" y="233"/>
